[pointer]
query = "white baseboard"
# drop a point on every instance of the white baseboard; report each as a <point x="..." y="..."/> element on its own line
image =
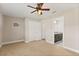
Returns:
<point x="27" y="41"/>
<point x="32" y="40"/>
<point x="77" y="51"/>
<point x="74" y="50"/>
<point x="12" y="42"/>
<point x="49" y="42"/>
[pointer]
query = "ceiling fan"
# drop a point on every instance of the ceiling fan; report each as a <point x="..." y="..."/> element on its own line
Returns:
<point x="39" y="8"/>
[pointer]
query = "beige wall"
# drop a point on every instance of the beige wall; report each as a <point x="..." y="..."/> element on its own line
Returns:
<point x="71" y="29"/>
<point x="11" y="33"/>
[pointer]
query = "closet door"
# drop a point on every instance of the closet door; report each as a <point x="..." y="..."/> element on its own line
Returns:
<point x="34" y="30"/>
<point x="47" y="30"/>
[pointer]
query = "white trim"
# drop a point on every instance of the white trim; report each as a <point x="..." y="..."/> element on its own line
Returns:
<point x="27" y="41"/>
<point x="51" y="42"/>
<point x="12" y="42"/>
<point x="77" y="51"/>
<point x="71" y="49"/>
<point x="32" y="40"/>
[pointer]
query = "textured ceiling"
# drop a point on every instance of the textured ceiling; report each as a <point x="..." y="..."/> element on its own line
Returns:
<point x="21" y="9"/>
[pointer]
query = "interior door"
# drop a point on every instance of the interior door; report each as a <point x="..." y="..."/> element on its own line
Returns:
<point x="34" y="30"/>
<point x="47" y="30"/>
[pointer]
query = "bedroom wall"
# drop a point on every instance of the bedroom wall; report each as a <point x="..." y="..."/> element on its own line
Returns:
<point x="71" y="29"/>
<point x="11" y="32"/>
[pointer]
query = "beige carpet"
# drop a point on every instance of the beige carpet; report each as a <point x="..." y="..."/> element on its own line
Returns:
<point x="35" y="48"/>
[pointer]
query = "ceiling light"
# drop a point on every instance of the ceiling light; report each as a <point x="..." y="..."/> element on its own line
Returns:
<point x="55" y="22"/>
<point x="39" y="12"/>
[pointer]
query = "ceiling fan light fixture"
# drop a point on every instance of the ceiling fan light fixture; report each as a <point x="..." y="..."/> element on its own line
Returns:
<point x="39" y="12"/>
<point x="39" y="8"/>
<point x="55" y="22"/>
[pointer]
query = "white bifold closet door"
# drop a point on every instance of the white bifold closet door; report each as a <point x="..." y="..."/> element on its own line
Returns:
<point x="47" y="30"/>
<point x="34" y="30"/>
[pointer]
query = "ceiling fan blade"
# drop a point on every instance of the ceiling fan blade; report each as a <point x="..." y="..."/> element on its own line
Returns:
<point x="31" y="6"/>
<point x="33" y="11"/>
<point x="45" y="9"/>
